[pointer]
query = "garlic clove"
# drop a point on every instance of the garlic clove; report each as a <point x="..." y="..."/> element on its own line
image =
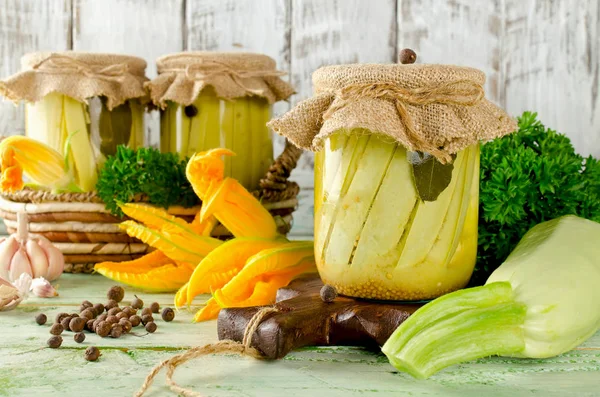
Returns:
<point x="10" y="295"/>
<point x="23" y="284"/>
<point x="42" y="288"/>
<point x="37" y="259"/>
<point x="19" y="264"/>
<point x="56" y="259"/>
<point x="8" y="248"/>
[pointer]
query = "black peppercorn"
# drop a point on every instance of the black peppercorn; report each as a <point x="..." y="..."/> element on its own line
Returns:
<point x="328" y="293"/>
<point x="90" y="325"/>
<point x="56" y="329"/>
<point x="85" y="305"/>
<point x="79" y="337"/>
<point x="168" y="314"/>
<point x="407" y="56"/>
<point x="135" y="320"/>
<point x="98" y="309"/>
<point x="41" y="319"/>
<point x="146" y="311"/>
<point x="110" y="304"/>
<point x="116" y="293"/>
<point x="126" y="325"/>
<point x="55" y="342"/>
<point x="116" y="331"/>
<point x="155" y="307"/>
<point x="103" y="329"/>
<point x="129" y="311"/>
<point x="191" y="111"/>
<point x="88" y="314"/>
<point x="137" y="303"/>
<point x="147" y="319"/>
<point x="112" y="319"/>
<point x="102" y="317"/>
<point x="121" y="315"/>
<point x="60" y="317"/>
<point x="77" y="324"/>
<point x="92" y="353"/>
<point x="65" y="323"/>
<point x="151" y="327"/>
<point x="114" y="311"/>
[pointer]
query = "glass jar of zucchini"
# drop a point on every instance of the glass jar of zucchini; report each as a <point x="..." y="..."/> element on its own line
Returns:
<point x="396" y="175"/>
<point x="211" y="100"/>
<point x="81" y="104"/>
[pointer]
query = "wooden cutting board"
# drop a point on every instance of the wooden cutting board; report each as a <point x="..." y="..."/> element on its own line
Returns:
<point x="305" y="320"/>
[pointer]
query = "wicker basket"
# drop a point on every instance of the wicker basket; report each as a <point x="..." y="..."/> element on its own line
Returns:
<point x="81" y="227"/>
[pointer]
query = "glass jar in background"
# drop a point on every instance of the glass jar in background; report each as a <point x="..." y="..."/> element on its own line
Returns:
<point x="396" y="175"/>
<point x="238" y="124"/>
<point x="212" y="99"/>
<point x="83" y="105"/>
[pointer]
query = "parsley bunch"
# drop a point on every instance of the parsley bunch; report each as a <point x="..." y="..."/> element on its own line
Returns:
<point x="528" y="177"/>
<point x="144" y="172"/>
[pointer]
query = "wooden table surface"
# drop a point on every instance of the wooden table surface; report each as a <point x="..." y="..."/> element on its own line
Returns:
<point x="28" y="368"/>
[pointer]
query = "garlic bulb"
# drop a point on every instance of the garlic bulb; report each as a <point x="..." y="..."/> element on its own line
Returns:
<point x="36" y="256"/>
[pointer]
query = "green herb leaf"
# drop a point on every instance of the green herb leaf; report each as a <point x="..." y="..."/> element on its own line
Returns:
<point x="147" y="172"/>
<point x="527" y="178"/>
<point x="430" y="176"/>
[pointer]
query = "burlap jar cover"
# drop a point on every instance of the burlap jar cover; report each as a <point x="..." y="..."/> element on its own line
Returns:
<point x="438" y="109"/>
<point x="183" y="76"/>
<point x="79" y="75"/>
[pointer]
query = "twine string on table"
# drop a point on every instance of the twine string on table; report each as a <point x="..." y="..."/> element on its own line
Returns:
<point x="461" y="93"/>
<point x="221" y="347"/>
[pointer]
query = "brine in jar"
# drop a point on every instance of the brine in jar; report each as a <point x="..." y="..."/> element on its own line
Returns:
<point x="374" y="236"/>
<point x="210" y="122"/>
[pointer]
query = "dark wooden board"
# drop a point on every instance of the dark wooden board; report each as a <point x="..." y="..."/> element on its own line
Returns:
<point x="305" y="320"/>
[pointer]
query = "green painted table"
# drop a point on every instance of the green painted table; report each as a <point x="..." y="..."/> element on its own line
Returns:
<point x="28" y="368"/>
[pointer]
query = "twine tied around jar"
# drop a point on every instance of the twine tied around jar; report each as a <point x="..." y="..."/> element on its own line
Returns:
<point x="56" y="63"/>
<point x="460" y="92"/>
<point x="205" y="69"/>
<point x="221" y="347"/>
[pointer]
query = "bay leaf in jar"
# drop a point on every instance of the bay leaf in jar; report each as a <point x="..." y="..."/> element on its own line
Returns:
<point x="430" y="176"/>
<point x="114" y="127"/>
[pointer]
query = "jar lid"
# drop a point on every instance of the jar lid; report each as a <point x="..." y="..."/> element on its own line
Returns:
<point x="183" y="76"/>
<point x="437" y="109"/>
<point x="80" y="75"/>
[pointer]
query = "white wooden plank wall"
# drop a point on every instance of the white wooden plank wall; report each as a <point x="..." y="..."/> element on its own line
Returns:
<point x="541" y="55"/>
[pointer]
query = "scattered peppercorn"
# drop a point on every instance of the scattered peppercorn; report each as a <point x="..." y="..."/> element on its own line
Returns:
<point x="88" y="314"/>
<point x="103" y="329"/>
<point x="146" y="311"/>
<point x="112" y="319"/>
<point x="102" y="317"/>
<point x="121" y="315"/>
<point x="77" y="324"/>
<point x="60" y="317"/>
<point x="116" y="293"/>
<point x="65" y="323"/>
<point x="98" y="309"/>
<point x="151" y="327"/>
<point x="190" y="111"/>
<point x="168" y="314"/>
<point x="126" y="325"/>
<point x="328" y="293"/>
<point x="87" y="304"/>
<point x="55" y="342"/>
<point x="56" y="329"/>
<point x="407" y="56"/>
<point x="90" y="325"/>
<point x="129" y="311"/>
<point x="116" y="331"/>
<point x="110" y="304"/>
<point x="114" y="311"/>
<point x="92" y="353"/>
<point x="137" y="303"/>
<point x="155" y="307"/>
<point x="135" y="320"/>
<point x="147" y="319"/>
<point x="79" y="337"/>
<point x="41" y="319"/>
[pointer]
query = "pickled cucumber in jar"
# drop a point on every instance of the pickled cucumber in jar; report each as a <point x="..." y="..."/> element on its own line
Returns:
<point x="210" y="122"/>
<point x="375" y="237"/>
<point x="85" y="133"/>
